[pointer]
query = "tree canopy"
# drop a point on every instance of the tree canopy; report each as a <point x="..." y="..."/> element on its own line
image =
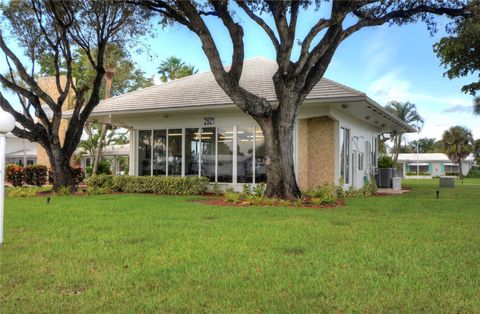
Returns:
<point x="460" y="52"/>
<point x="174" y="68"/>
<point x="408" y="113"/>
<point x="60" y="29"/>
<point x="302" y="62"/>
<point x="457" y="143"/>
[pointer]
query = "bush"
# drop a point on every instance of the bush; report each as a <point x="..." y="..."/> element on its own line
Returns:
<point x="232" y="197"/>
<point x="420" y="173"/>
<point x="474" y="172"/>
<point x="385" y="162"/>
<point x="216" y="189"/>
<point x="14" y="174"/>
<point x="103" y="168"/>
<point x="35" y="175"/>
<point x="77" y="174"/>
<point x="259" y="189"/>
<point x="323" y="194"/>
<point x="157" y="185"/>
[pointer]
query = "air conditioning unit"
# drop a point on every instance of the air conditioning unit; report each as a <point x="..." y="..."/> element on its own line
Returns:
<point x="385" y="176"/>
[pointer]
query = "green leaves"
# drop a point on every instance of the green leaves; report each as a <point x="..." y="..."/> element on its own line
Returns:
<point x="156" y="185"/>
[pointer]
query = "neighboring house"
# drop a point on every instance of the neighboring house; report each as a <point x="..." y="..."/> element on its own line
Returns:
<point x="20" y="151"/>
<point x="190" y="127"/>
<point x="116" y="155"/>
<point x="431" y="165"/>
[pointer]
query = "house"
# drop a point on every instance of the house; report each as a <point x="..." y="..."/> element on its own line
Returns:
<point x="190" y="127"/>
<point x="20" y="151"/>
<point x="431" y="165"/>
<point x="116" y="155"/>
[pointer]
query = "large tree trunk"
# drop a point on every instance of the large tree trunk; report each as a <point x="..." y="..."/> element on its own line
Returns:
<point x="60" y="166"/>
<point x="281" y="180"/>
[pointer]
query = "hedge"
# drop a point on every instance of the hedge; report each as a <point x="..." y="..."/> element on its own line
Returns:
<point x="157" y="185"/>
<point x="35" y="175"/>
<point x="14" y="174"/>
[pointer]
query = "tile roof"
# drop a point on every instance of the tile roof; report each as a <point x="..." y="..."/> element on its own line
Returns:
<point x="202" y="90"/>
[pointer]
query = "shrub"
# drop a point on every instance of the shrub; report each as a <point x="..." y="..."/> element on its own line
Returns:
<point x="323" y="194"/>
<point x="157" y="185"/>
<point x="103" y="168"/>
<point x="259" y="189"/>
<point x="420" y="173"/>
<point x="216" y="189"/>
<point x="232" y="197"/>
<point x="77" y="174"/>
<point x="246" y="189"/>
<point x="385" y="162"/>
<point x="474" y="172"/>
<point x="14" y="174"/>
<point x="35" y="175"/>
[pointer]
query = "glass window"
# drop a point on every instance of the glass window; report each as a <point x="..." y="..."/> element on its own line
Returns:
<point x="345" y="155"/>
<point x="208" y="153"/>
<point x="260" y="160"/>
<point x="144" y="153"/>
<point x="175" y="152"/>
<point x="159" y="152"/>
<point x="245" y="154"/>
<point x="192" y="151"/>
<point x="225" y="155"/>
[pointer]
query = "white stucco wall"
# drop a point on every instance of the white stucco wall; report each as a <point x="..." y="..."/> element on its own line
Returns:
<point x="360" y="131"/>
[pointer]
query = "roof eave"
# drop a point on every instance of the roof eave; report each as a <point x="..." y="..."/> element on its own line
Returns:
<point x="406" y="126"/>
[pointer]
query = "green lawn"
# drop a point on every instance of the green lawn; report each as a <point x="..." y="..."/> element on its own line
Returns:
<point x="144" y="253"/>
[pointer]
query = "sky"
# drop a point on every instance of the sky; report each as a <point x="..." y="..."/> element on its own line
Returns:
<point x="386" y="62"/>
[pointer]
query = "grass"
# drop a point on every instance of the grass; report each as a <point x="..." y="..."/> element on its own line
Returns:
<point x="144" y="253"/>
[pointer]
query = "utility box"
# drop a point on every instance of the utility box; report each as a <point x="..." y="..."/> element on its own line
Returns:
<point x="397" y="183"/>
<point x="447" y="181"/>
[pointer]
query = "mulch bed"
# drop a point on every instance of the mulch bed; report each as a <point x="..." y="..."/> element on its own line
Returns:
<point x="219" y="201"/>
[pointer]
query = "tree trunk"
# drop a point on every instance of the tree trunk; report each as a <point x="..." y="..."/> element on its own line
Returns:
<point x="460" y="172"/>
<point x="396" y="148"/>
<point x="281" y="180"/>
<point x="98" y="155"/>
<point x="60" y="166"/>
<point x="108" y="91"/>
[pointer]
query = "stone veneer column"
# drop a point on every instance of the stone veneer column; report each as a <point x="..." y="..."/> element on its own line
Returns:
<point x="316" y="152"/>
<point x="48" y="85"/>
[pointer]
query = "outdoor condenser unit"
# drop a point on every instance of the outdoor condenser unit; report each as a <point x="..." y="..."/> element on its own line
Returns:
<point x="385" y="176"/>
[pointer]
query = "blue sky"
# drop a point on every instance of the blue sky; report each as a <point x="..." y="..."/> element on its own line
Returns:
<point x="386" y="62"/>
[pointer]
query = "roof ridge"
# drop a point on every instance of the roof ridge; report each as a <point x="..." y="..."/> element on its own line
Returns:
<point x="345" y="86"/>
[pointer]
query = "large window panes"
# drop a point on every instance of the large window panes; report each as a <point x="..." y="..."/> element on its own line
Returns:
<point x="208" y="153"/>
<point x="245" y="154"/>
<point x="192" y="151"/>
<point x="260" y="161"/>
<point x="159" y="152"/>
<point x="175" y="152"/>
<point x="345" y="155"/>
<point x="144" y="153"/>
<point x="225" y="155"/>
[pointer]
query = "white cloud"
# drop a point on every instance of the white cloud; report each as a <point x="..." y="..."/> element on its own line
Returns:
<point x="378" y="52"/>
<point x="439" y="111"/>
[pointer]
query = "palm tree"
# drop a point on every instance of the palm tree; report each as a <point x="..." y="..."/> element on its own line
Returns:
<point x="408" y="113"/>
<point x="457" y="142"/>
<point x="476" y="106"/>
<point x="174" y="68"/>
